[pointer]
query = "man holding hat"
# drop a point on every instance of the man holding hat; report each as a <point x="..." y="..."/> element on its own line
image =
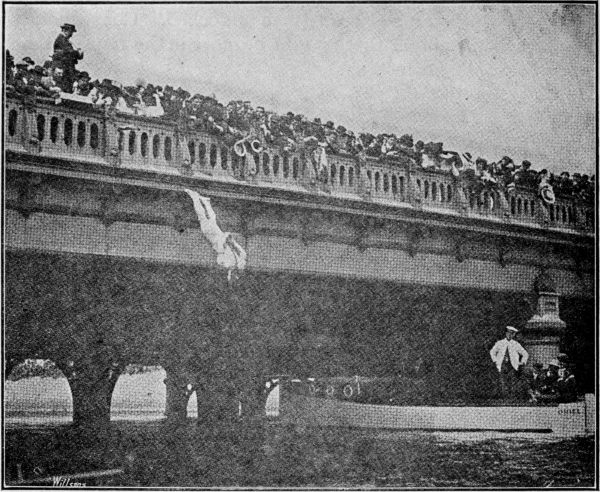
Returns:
<point x="66" y="57"/>
<point x="509" y="355"/>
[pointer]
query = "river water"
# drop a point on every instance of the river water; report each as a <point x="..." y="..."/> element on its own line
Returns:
<point x="146" y="451"/>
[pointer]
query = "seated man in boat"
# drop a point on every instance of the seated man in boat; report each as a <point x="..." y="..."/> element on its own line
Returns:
<point x="566" y="386"/>
<point x="509" y="356"/>
<point x="547" y="387"/>
<point x="534" y="377"/>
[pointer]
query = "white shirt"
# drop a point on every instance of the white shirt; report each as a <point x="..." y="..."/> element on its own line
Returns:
<point x="229" y="253"/>
<point x="516" y="353"/>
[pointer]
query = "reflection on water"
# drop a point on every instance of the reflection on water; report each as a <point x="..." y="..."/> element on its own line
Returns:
<point x="154" y="454"/>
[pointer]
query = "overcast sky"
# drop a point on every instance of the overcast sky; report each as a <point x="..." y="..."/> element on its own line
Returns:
<point x="490" y="79"/>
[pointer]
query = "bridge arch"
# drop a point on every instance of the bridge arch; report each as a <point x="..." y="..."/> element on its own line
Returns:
<point x="140" y="393"/>
<point x="36" y="391"/>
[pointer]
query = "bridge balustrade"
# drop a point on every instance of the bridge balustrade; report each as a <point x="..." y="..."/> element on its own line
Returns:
<point x="437" y="189"/>
<point x="343" y="177"/>
<point x="53" y="131"/>
<point x="525" y="206"/>
<point x="44" y="128"/>
<point x="565" y="213"/>
<point x="569" y="213"/>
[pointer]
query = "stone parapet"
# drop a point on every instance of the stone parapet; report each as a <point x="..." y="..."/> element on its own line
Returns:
<point x="162" y="147"/>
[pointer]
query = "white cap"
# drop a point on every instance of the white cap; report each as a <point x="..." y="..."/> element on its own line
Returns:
<point x="512" y="328"/>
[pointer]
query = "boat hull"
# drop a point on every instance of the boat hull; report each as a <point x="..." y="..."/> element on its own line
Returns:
<point x="568" y="419"/>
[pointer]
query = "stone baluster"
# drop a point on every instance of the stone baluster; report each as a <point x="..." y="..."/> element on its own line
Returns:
<point x="29" y="125"/>
<point x="503" y="207"/>
<point x="181" y="153"/>
<point x="542" y="215"/>
<point x="413" y="195"/>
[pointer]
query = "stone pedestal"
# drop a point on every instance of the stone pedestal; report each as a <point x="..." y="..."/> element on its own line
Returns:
<point x="543" y="331"/>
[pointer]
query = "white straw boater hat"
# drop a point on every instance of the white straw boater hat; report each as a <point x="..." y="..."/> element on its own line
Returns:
<point x="512" y="328"/>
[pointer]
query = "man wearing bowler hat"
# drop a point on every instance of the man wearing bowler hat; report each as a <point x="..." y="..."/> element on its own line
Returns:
<point x="66" y="57"/>
<point x="509" y="355"/>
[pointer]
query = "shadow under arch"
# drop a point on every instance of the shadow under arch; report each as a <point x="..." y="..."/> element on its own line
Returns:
<point x="37" y="392"/>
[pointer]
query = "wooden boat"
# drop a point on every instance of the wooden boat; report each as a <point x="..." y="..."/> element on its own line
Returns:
<point x="563" y="419"/>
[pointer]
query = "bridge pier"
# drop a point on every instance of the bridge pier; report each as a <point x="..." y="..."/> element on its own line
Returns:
<point x="179" y="388"/>
<point x="229" y="396"/>
<point x="253" y="399"/>
<point x="10" y="362"/>
<point x="92" y="385"/>
<point x="218" y="402"/>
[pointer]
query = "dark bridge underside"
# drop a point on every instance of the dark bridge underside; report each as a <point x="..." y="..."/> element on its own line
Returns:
<point x="94" y="315"/>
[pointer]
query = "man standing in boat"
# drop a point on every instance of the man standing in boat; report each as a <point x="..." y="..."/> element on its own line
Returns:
<point x="509" y="355"/>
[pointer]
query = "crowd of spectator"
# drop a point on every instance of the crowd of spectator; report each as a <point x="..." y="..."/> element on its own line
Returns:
<point x="239" y="120"/>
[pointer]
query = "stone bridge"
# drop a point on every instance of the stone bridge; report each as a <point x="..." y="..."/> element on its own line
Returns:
<point x="381" y="264"/>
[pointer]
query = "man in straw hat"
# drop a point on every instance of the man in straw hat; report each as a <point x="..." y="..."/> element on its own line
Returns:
<point x="66" y="57"/>
<point x="509" y="355"/>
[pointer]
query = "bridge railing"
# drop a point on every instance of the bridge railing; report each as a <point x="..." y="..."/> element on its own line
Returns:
<point x="41" y="127"/>
<point x="85" y="134"/>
